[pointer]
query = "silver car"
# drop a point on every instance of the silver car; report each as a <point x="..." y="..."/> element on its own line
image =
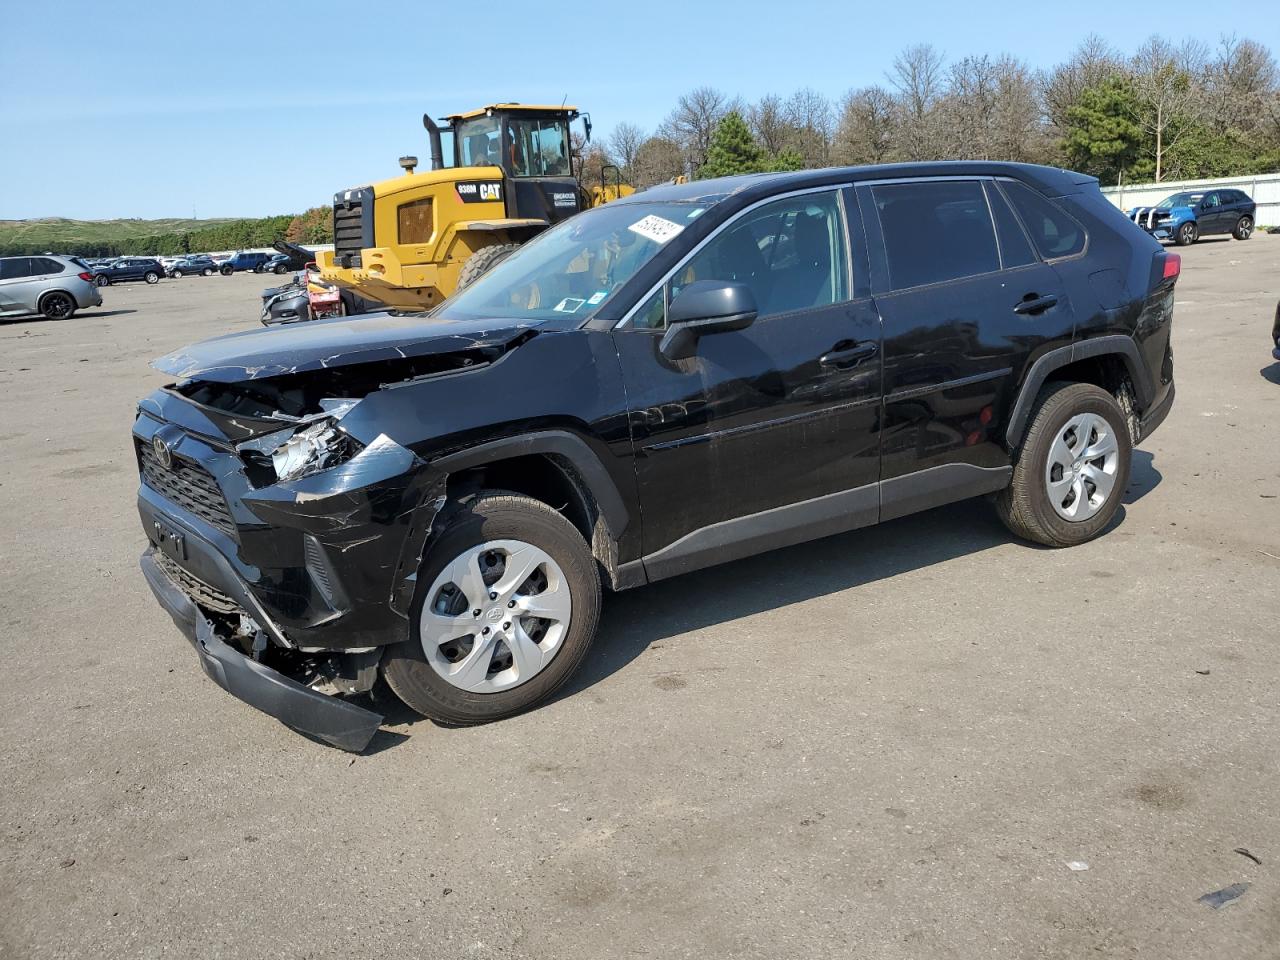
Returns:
<point x="54" y="286"/>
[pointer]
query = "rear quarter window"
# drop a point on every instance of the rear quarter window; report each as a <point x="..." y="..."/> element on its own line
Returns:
<point x="1054" y="232"/>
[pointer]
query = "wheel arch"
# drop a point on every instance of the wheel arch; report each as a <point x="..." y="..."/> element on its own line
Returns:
<point x="1112" y="362"/>
<point x="557" y="468"/>
<point x="48" y="293"/>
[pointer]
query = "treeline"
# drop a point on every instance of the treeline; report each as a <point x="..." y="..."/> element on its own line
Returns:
<point x="313" y="226"/>
<point x="1166" y="111"/>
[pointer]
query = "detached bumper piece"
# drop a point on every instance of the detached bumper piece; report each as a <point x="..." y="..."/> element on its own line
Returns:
<point x="334" y="721"/>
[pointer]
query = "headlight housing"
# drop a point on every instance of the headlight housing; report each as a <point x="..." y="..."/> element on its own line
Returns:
<point x="316" y="447"/>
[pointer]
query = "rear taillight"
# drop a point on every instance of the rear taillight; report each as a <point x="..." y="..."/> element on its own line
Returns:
<point x="85" y="276"/>
<point x="1172" y="266"/>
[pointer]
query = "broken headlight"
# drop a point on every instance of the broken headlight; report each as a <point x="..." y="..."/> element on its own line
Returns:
<point x="318" y="446"/>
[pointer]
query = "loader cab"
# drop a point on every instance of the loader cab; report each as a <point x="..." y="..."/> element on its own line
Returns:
<point x="531" y="145"/>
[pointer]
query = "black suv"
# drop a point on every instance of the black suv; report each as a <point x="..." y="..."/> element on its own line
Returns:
<point x="689" y="375"/>
<point x="128" y="268"/>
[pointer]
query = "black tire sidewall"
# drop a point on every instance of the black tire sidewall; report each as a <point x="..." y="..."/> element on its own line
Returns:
<point x="1240" y="228"/>
<point x="1055" y="410"/>
<point x="54" y="298"/>
<point x="497" y="517"/>
<point x="1187" y="234"/>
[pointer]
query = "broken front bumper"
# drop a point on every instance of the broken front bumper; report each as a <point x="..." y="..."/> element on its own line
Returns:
<point x="327" y="718"/>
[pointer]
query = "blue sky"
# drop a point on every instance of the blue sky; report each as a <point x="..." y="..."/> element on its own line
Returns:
<point x="159" y="109"/>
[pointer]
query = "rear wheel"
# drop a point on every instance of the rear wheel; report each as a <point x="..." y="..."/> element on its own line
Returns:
<point x="508" y="602"/>
<point x="1072" y="468"/>
<point x="151" y="276"/>
<point x="480" y="262"/>
<point x="57" y="305"/>
<point x="177" y="274"/>
<point x="207" y="272"/>
<point x="280" y="269"/>
<point x="1186" y="234"/>
<point x="102" y="280"/>
<point x="226" y="271"/>
<point x="1244" y="228"/>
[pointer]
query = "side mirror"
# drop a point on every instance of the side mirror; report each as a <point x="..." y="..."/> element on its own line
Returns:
<point x="705" y="307"/>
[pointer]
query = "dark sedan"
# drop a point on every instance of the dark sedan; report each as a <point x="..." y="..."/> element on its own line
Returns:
<point x="192" y="265"/>
<point x="129" y="268"/>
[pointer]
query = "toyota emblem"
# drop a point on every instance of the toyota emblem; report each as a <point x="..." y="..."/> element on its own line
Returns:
<point x="161" y="448"/>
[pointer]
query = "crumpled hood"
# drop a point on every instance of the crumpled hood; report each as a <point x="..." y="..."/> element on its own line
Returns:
<point x="337" y="342"/>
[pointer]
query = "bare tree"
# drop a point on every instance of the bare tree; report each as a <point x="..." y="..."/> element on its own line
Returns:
<point x="1241" y="79"/>
<point x="1018" y="130"/>
<point x="865" y="131"/>
<point x="624" y="144"/>
<point x="694" y="120"/>
<point x="1092" y="62"/>
<point x="658" y="159"/>
<point x="1166" y="93"/>
<point x="917" y="79"/>
<point x="767" y="123"/>
<point x="809" y="116"/>
<point x="966" y="114"/>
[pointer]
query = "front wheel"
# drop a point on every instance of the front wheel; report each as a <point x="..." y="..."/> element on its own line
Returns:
<point x="507" y="607"/>
<point x="280" y="269"/>
<point x="1244" y="228"/>
<point x="151" y="276"/>
<point x="102" y="281"/>
<point x="207" y="272"/>
<point x="482" y="261"/>
<point x="177" y="274"/>
<point x="226" y="271"/>
<point x="57" y="305"/>
<point x="1072" y="468"/>
<point x="1186" y="234"/>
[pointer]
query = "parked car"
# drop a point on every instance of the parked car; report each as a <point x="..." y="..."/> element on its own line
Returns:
<point x="682" y="377"/>
<point x="129" y="268"/>
<point x="54" y="286"/>
<point x="277" y="263"/>
<point x="1187" y="216"/>
<point x="243" y="261"/>
<point x="196" y="263"/>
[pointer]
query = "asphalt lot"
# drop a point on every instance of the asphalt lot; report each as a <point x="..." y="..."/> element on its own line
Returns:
<point x="886" y="744"/>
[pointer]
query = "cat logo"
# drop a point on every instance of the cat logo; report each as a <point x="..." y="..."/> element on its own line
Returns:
<point x="490" y="191"/>
<point x="474" y="191"/>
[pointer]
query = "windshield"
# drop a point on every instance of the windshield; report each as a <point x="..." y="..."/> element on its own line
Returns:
<point x="539" y="148"/>
<point x="570" y="271"/>
<point x="478" y="143"/>
<point x="1180" y="200"/>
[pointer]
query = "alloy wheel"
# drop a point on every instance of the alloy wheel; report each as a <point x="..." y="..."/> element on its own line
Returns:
<point x="1244" y="228"/>
<point x="57" y="306"/>
<point x="1080" y="472"/>
<point x="495" y="616"/>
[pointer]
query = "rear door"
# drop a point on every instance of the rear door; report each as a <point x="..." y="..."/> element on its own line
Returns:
<point x="963" y="299"/>
<point x="15" y="280"/>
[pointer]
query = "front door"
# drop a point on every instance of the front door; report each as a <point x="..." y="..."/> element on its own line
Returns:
<point x="961" y="311"/>
<point x="15" y="273"/>
<point x="770" y="434"/>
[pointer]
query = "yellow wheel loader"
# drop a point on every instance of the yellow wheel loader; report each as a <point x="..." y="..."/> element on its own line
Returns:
<point x="409" y="242"/>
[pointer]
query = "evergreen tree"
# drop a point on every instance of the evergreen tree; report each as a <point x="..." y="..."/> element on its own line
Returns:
<point x="1101" y="137"/>
<point x="733" y="150"/>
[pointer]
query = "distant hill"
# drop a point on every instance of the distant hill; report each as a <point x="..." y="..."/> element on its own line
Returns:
<point x="56" y="233"/>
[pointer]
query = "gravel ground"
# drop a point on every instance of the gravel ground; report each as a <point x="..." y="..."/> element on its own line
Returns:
<point x="886" y="744"/>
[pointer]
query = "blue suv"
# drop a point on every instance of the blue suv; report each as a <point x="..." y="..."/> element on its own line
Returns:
<point x="1187" y="216"/>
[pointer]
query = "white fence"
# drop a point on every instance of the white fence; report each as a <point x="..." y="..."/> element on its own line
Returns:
<point x="1264" y="188"/>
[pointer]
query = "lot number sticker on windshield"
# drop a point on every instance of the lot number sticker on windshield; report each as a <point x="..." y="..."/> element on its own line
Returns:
<point x="655" y="228"/>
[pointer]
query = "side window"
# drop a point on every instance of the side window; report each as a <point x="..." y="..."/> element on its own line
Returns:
<point x="935" y="230"/>
<point x="790" y="252"/>
<point x="1212" y="200"/>
<point x="14" y="268"/>
<point x="1015" y="250"/>
<point x="1054" y="232"/>
<point x="414" y="221"/>
<point x="43" y="267"/>
<point x="653" y="315"/>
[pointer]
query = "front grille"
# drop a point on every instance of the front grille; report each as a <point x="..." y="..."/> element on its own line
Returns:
<point x="188" y="485"/>
<point x="349" y="221"/>
<point x="195" y="588"/>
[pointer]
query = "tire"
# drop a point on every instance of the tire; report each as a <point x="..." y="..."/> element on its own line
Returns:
<point x="102" y="280"/>
<point x="1027" y="507"/>
<point x="58" y="305"/>
<point x="226" y="271"/>
<point x="1187" y="234"/>
<point x="496" y="517"/>
<point x="177" y="274"/>
<point x="207" y="272"/>
<point x="280" y="269"/>
<point x="151" y="276"/>
<point x="1244" y="228"/>
<point x="482" y="261"/>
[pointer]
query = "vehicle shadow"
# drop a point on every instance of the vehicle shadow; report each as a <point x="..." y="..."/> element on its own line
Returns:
<point x="632" y="621"/>
<point x="79" y="315"/>
<point x="1271" y="373"/>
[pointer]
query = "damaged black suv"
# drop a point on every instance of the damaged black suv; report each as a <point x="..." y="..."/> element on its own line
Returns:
<point x="686" y="376"/>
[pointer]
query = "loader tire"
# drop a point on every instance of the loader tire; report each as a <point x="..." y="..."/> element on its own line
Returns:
<point x="481" y="261"/>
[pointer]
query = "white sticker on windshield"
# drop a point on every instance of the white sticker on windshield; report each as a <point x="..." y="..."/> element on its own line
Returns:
<point x="655" y="228"/>
<point x="569" y="305"/>
<point x="597" y="297"/>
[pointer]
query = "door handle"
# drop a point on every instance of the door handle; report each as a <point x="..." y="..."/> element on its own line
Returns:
<point x="1032" y="304"/>
<point x="849" y="356"/>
